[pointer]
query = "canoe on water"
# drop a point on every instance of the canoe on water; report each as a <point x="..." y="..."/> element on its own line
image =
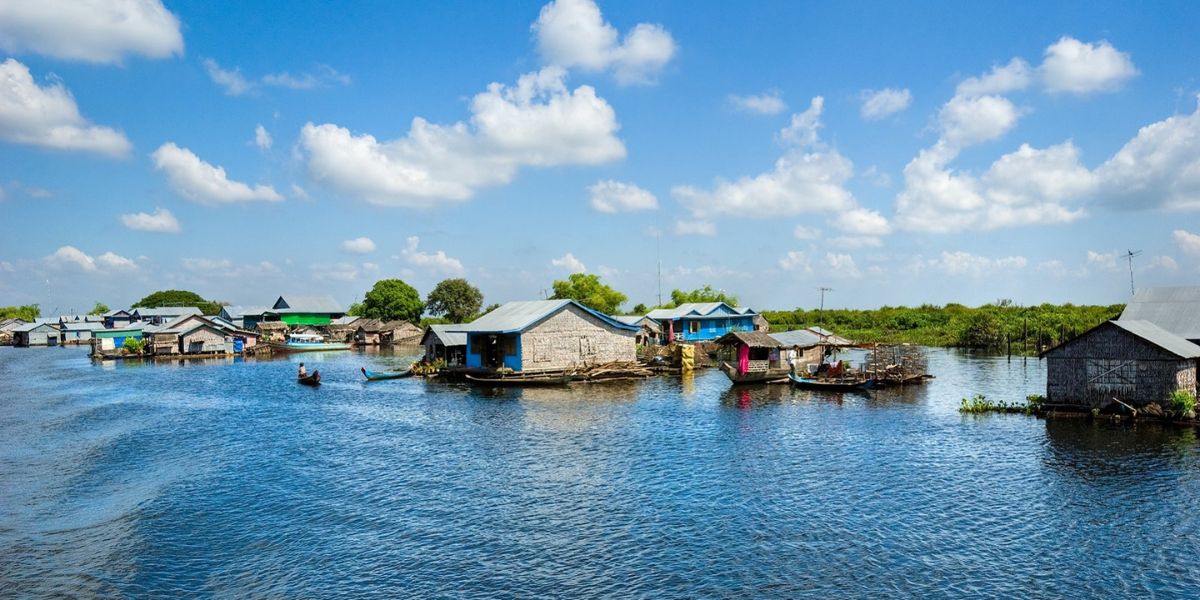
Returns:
<point x="521" y="380"/>
<point x="833" y="385"/>
<point x="313" y="380"/>
<point x="381" y="375"/>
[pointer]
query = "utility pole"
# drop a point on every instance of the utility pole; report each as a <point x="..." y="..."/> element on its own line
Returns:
<point x="1129" y="254"/>
<point x="658" y="254"/>
<point x="823" y="290"/>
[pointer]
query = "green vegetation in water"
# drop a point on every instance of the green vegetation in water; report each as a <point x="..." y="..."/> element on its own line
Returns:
<point x="1182" y="401"/>
<point x="133" y="345"/>
<point x="998" y="326"/>
<point x="979" y="404"/>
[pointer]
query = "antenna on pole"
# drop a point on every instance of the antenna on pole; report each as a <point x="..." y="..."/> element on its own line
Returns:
<point x="823" y="290"/>
<point x="1129" y="254"/>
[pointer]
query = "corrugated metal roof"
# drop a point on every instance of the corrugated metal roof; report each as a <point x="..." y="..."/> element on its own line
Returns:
<point x="1160" y="337"/>
<point x="701" y="309"/>
<point x="168" y="311"/>
<point x="800" y="338"/>
<point x="35" y="325"/>
<point x="307" y="304"/>
<point x="1174" y="309"/>
<point x="448" y="337"/>
<point x="346" y="320"/>
<point x="82" y="326"/>
<point x="754" y="339"/>
<point x="514" y="317"/>
<point x="238" y="312"/>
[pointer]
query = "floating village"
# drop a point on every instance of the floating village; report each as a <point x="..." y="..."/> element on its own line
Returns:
<point x="1129" y="366"/>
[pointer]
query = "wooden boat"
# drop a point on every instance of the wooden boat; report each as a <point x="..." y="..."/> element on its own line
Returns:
<point x="831" y="384"/>
<point x="308" y="342"/>
<point x="779" y="375"/>
<point x="381" y="375"/>
<point x="521" y="380"/>
<point x="313" y="380"/>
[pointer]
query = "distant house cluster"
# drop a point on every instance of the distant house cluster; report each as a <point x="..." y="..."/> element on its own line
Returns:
<point x="1139" y="359"/>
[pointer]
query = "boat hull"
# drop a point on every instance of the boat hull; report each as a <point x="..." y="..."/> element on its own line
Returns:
<point x="312" y="380"/>
<point x="521" y="381"/>
<point x="384" y="375"/>
<point x="768" y="376"/>
<point x="319" y="347"/>
<point x="816" y="384"/>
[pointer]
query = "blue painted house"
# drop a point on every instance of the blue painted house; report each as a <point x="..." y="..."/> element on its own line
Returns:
<point x="702" y="321"/>
<point x="546" y="335"/>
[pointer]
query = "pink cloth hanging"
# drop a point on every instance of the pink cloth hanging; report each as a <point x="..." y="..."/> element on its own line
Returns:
<point x="743" y="359"/>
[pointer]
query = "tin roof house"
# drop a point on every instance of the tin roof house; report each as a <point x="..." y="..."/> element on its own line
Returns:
<point x="305" y="310"/>
<point x="702" y="321"/>
<point x="35" y="334"/>
<point x="244" y="317"/>
<point x="546" y="335"/>
<point x="1172" y="309"/>
<point x="163" y="314"/>
<point x="443" y="344"/>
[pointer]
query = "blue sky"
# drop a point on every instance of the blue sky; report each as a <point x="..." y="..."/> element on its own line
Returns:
<point x="900" y="154"/>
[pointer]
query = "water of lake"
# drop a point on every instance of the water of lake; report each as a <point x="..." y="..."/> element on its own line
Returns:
<point x="228" y="479"/>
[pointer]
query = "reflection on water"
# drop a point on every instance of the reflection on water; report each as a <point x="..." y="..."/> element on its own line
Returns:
<point x="227" y="478"/>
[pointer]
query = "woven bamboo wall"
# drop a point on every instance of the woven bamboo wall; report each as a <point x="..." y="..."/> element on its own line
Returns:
<point x="1108" y="363"/>
<point x="574" y="338"/>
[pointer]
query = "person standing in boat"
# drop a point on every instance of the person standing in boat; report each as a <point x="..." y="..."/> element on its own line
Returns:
<point x="302" y="373"/>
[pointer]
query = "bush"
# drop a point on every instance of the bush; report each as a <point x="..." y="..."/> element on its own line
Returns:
<point x="1182" y="401"/>
<point x="133" y="345"/>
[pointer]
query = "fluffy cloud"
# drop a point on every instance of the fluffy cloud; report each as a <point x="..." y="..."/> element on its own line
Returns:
<point x="48" y="116"/>
<point x="1158" y="168"/>
<point x="197" y="180"/>
<point x="437" y="262"/>
<point x="881" y="104"/>
<point x="614" y="196"/>
<point x="695" y="228"/>
<point x="1016" y="75"/>
<point x="70" y="256"/>
<point x="262" y="138"/>
<point x="104" y="31"/>
<point x="573" y="33"/>
<point x="162" y="221"/>
<point x="1187" y="241"/>
<point x="1102" y="260"/>
<point x="807" y="178"/>
<point x="796" y="261"/>
<point x="236" y="84"/>
<point x="1025" y="187"/>
<point x="806" y="233"/>
<point x="1165" y="263"/>
<point x="569" y="262"/>
<point x="537" y="122"/>
<point x="1080" y="68"/>
<point x="964" y="263"/>
<point x="968" y="120"/>
<point x="842" y="266"/>
<point x="770" y="103"/>
<point x="861" y="221"/>
<point x="359" y="245"/>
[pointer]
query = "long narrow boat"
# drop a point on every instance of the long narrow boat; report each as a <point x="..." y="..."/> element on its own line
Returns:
<point x="832" y="385"/>
<point x="308" y="342"/>
<point x="767" y="376"/>
<point x="381" y="375"/>
<point x="521" y="380"/>
<point x="313" y="380"/>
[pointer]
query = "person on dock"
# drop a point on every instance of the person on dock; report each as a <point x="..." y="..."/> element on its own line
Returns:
<point x="302" y="373"/>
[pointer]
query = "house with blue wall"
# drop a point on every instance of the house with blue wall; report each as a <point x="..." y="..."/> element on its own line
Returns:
<point x="702" y="321"/>
<point x="546" y="335"/>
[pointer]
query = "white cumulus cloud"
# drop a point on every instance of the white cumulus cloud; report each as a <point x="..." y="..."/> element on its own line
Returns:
<point x="199" y="181"/>
<point x="1016" y="75"/>
<point x="1158" y="168"/>
<point x="48" y="116"/>
<point x="115" y="262"/>
<point x="161" y="221"/>
<point x="569" y="262"/>
<point x="1078" y="67"/>
<point x="842" y="266"/>
<point x="968" y="120"/>
<point x="683" y="227"/>
<point x="1187" y="241"/>
<point x="262" y="138"/>
<point x="359" y="245"/>
<point x="807" y="178"/>
<point x="881" y="104"/>
<point x="967" y="264"/>
<point x="437" y="262"/>
<point x="70" y="256"/>
<point x="538" y="122"/>
<point x="614" y="196"/>
<point x="573" y="33"/>
<point x="236" y="84"/>
<point x="96" y="31"/>
<point x="769" y="103"/>
<point x="796" y="261"/>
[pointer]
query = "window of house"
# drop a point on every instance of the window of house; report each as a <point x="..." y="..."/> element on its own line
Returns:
<point x="1111" y="372"/>
<point x="694" y="326"/>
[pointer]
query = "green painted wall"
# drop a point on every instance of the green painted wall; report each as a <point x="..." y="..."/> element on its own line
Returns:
<point x="116" y="333"/>
<point x="305" y="319"/>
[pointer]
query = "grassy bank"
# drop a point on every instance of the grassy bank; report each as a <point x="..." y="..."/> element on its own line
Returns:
<point x="991" y="326"/>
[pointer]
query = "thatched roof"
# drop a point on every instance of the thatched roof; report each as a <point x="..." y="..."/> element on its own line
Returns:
<point x="265" y="326"/>
<point x="754" y="339"/>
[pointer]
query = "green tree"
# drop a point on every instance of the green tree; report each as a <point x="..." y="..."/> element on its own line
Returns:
<point x="392" y="299"/>
<point x="99" y="309"/>
<point x="171" y="298"/>
<point x="702" y="294"/>
<point x="587" y="290"/>
<point x="640" y="309"/>
<point x="455" y="298"/>
<point x="27" y="312"/>
<point x="355" y="310"/>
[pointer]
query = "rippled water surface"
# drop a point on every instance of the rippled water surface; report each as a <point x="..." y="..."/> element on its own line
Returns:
<point x="228" y="479"/>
